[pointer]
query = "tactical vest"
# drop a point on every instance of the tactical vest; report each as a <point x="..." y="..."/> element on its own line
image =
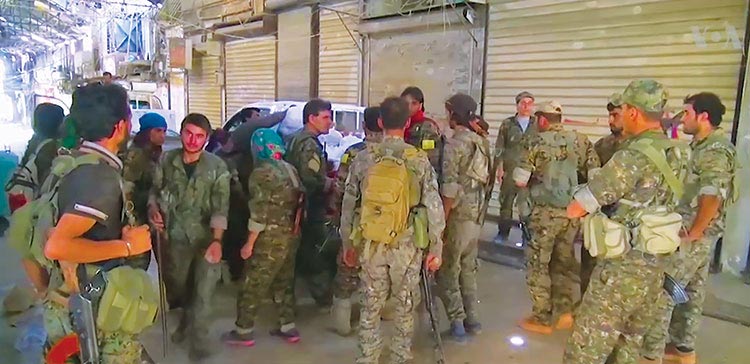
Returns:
<point x="553" y="185"/>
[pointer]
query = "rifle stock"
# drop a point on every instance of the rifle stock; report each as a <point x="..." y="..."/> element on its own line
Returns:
<point x="488" y="191"/>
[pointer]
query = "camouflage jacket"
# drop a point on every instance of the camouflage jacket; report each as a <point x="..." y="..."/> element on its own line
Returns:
<point x="346" y="161"/>
<point x="426" y="136"/>
<point x="306" y="154"/>
<point x="423" y="175"/>
<point x="712" y="170"/>
<point x="275" y="192"/>
<point x="512" y="141"/>
<point x="467" y="192"/>
<point x="535" y="166"/>
<point x="607" y="146"/>
<point x="138" y="173"/>
<point x="632" y="180"/>
<point x="192" y="207"/>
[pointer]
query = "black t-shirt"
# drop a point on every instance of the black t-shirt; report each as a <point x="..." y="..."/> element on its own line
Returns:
<point x="189" y="168"/>
<point x="93" y="191"/>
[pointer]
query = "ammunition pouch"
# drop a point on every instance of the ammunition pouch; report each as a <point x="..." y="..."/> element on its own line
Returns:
<point x="675" y="290"/>
<point x="658" y="232"/>
<point x="129" y="302"/>
<point x="420" y="221"/>
<point x="604" y="238"/>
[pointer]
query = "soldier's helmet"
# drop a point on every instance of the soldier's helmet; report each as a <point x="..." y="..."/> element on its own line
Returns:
<point x="646" y="95"/>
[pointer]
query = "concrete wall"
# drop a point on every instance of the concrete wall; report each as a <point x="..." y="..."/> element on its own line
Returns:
<point x="293" y="55"/>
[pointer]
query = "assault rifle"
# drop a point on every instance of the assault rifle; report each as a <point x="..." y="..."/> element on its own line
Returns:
<point x="429" y="304"/>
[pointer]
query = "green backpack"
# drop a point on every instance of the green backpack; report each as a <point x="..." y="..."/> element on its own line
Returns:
<point x="30" y="224"/>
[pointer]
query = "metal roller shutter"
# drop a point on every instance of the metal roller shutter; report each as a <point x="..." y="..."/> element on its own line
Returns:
<point x="204" y="89"/>
<point x="250" y="72"/>
<point x="580" y="52"/>
<point x="340" y="58"/>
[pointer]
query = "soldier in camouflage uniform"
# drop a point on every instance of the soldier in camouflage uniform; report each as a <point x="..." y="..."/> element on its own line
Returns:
<point x="347" y="278"/>
<point x="276" y="197"/>
<point x="422" y="132"/>
<point x="509" y="145"/>
<point x="316" y="262"/>
<point x="391" y="267"/>
<point x="466" y="174"/>
<point x="709" y="188"/>
<point x="140" y="163"/>
<point x="550" y="170"/>
<point x="190" y="202"/>
<point x="605" y="148"/>
<point x="614" y="310"/>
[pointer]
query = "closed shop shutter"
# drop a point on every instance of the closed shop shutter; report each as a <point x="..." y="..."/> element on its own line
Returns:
<point x="250" y="72"/>
<point x="204" y="89"/>
<point x="580" y="52"/>
<point x="339" y="79"/>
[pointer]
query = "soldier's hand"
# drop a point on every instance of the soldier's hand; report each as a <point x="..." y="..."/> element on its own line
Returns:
<point x="576" y="210"/>
<point x="247" y="251"/>
<point x="690" y="237"/>
<point x="155" y="218"/>
<point x="499" y="176"/>
<point x="213" y="253"/>
<point x="350" y="257"/>
<point x="139" y="238"/>
<point x="433" y="262"/>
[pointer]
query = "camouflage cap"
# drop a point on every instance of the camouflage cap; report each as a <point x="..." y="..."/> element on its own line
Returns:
<point x="615" y="99"/>
<point x="646" y="95"/>
<point x="522" y="95"/>
<point x="550" y="107"/>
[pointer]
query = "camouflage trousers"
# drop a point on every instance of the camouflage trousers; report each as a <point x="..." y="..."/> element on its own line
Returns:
<point x="511" y="196"/>
<point x="114" y="348"/>
<point x="316" y="260"/>
<point x="679" y="324"/>
<point x="346" y="282"/>
<point x="551" y="264"/>
<point x="270" y="270"/>
<point x="190" y="282"/>
<point x="587" y="267"/>
<point x="457" y="277"/>
<point x="385" y="269"/>
<point x="614" y="315"/>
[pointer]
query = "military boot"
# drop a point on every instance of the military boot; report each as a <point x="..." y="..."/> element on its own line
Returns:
<point x="679" y="355"/>
<point x="342" y="315"/>
<point x="457" y="332"/>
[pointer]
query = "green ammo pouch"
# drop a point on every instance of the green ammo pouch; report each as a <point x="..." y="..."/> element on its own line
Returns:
<point x="421" y="237"/>
<point x="129" y="303"/>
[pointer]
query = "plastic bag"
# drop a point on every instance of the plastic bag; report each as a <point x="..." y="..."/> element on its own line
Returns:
<point x="31" y="336"/>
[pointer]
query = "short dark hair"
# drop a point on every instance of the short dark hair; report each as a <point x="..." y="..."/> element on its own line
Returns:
<point x="198" y="120"/>
<point x="97" y="109"/>
<point x="372" y="114"/>
<point x="416" y="93"/>
<point x="395" y="112"/>
<point x="462" y="108"/>
<point x="611" y="107"/>
<point x="107" y="74"/>
<point x="314" y="107"/>
<point x="47" y="119"/>
<point x="709" y="103"/>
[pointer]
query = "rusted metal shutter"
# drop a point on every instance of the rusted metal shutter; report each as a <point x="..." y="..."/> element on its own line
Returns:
<point x="340" y="57"/>
<point x="250" y="72"/>
<point x="580" y="52"/>
<point x="204" y="89"/>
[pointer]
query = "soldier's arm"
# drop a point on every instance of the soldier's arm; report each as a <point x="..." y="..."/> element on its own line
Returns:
<point x="500" y="146"/>
<point x="157" y="184"/>
<point x="349" y="203"/>
<point x="452" y="165"/>
<point x="260" y="183"/>
<point x="526" y="166"/>
<point x="340" y="185"/>
<point x="435" y="212"/>
<point x="312" y="170"/>
<point x="590" y="161"/>
<point x="220" y="191"/>
<point x="613" y="181"/>
<point x="714" y="168"/>
<point x="132" y="171"/>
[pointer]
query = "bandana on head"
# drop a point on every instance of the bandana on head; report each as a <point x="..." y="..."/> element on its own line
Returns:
<point x="267" y="144"/>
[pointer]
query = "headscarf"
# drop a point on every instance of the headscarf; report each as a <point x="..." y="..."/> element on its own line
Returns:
<point x="267" y="144"/>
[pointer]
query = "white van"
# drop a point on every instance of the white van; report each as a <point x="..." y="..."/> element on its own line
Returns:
<point x="347" y="117"/>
